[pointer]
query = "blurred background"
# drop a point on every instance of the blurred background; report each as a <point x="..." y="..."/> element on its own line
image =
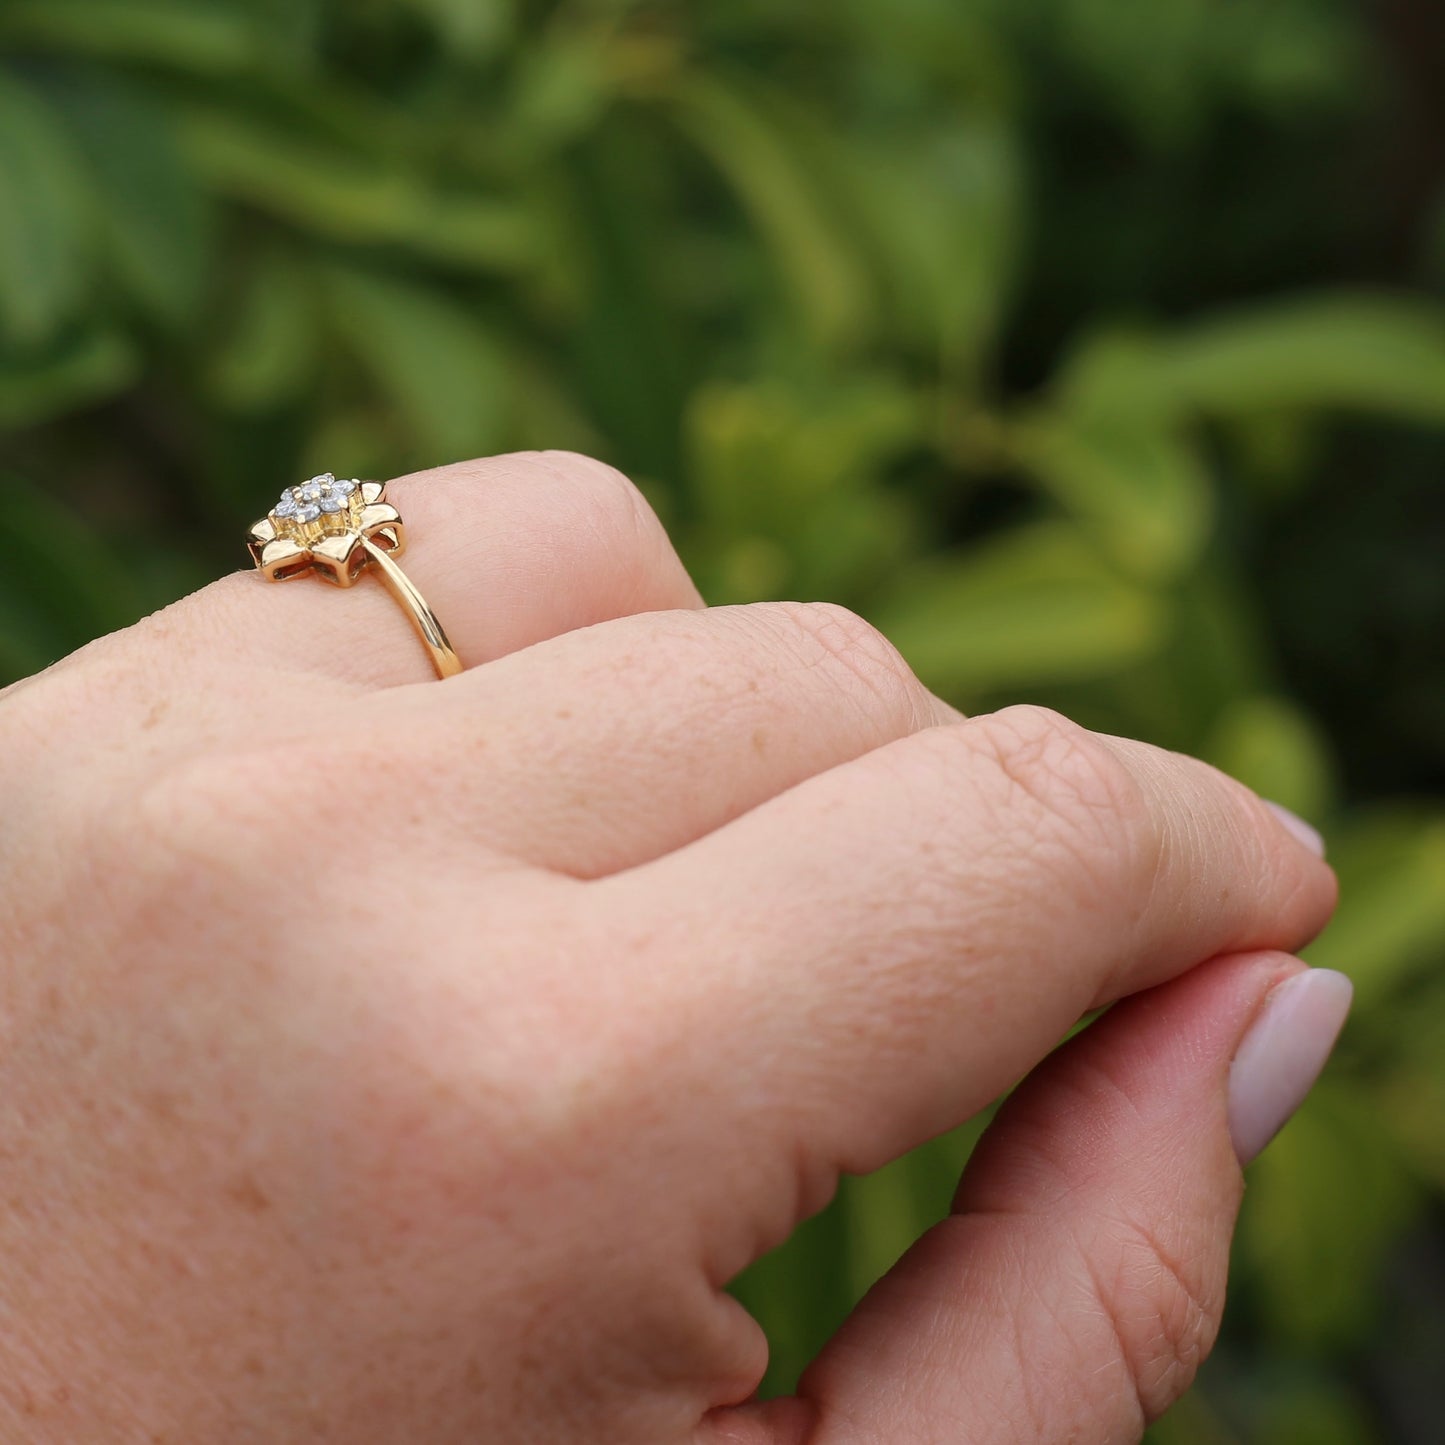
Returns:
<point x="1095" y="350"/>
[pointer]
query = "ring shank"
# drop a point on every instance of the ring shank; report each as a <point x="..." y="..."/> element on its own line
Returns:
<point x="423" y="619"/>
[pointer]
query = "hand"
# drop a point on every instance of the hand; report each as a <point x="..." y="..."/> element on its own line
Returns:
<point x="388" y="1060"/>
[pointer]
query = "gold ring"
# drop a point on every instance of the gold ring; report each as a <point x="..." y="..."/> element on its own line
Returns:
<point x="337" y="529"/>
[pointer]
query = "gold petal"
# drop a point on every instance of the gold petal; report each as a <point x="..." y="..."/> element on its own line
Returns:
<point x="378" y="514"/>
<point x="382" y="524"/>
<point x="337" y="546"/>
<point x="372" y="492"/>
<point x="282" y="558"/>
<point x="340" y="557"/>
<point x="264" y="531"/>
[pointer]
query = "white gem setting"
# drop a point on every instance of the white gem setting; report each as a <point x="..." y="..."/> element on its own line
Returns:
<point x="321" y="496"/>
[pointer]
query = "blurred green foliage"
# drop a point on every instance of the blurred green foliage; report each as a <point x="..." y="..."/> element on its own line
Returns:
<point x="1094" y="350"/>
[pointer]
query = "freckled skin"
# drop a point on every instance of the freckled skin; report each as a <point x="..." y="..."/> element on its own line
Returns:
<point x="392" y="1060"/>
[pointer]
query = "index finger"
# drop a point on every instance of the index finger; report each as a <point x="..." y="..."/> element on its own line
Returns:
<point x="886" y="947"/>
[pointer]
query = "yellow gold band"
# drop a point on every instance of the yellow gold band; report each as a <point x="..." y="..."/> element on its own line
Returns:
<point x="428" y="627"/>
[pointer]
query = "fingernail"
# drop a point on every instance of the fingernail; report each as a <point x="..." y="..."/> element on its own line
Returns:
<point x="1310" y="837"/>
<point x="1283" y="1054"/>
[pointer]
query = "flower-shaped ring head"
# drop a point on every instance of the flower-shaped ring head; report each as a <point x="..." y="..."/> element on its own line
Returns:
<point x="326" y="526"/>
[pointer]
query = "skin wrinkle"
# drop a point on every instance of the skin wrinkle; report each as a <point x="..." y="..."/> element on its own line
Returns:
<point x="867" y="655"/>
<point x="1140" y="1357"/>
<point x="1036" y="1392"/>
<point x="1184" y="1341"/>
<point x="1009" y="1290"/>
<point x="1055" y="778"/>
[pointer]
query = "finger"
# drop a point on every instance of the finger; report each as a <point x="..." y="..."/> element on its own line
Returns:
<point x="599" y="750"/>
<point x="927" y="921"/>
<point x="1080" y="1280"/>
<point x="507" y="551"/>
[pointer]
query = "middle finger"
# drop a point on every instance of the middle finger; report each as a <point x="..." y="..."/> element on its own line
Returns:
<point x="604" y="748"/>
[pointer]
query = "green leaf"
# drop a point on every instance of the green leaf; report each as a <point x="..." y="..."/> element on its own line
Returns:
<point x="205" y="36"/>
<point x="151" y="214"/>
<point x="1192" y="1421"/>
<point x="363" y="437"/>
<point x="1362" y="352"/>
<point x="561" y="90"/>
<point x="843" y="1250"/>
<point x="1273" y="746"/>
<point x="1218" y="651"/>
<point x="946" y="222"/>
<point x="1326" y="1202"/>
<point x="1374" y="354"/>
<point x="349" y="195"/>
<point x="765" y="454"/>
<point x="25" y="646"/>
<point x="471" y="27"/>
<point x="1410" y="1031"/>
<point x="1313" y="1407"/>
<point x="1390" y="927"/>
<point x="481" y="232"/>
<point x="787" y="481"/>
<point x="887" y="1211"/>
<point x="1142" y="490"/>
<point x="270" y="352"/>
<point x="85" y="369"/>
<point x="78" y="586"/>
<point x="444" y="370"/>
<point x="960" y="47"/>
<point x="45" y="213"/>
<point x="1038" y="605"/>
<point x="798" y="1320"/>
<point x="818" y="264"/>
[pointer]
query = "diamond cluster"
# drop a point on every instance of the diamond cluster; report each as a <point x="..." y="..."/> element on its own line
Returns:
<point x="323" y="495"/>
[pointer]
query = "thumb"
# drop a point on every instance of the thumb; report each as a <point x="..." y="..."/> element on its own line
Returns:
<point x="1079" y="1282"/>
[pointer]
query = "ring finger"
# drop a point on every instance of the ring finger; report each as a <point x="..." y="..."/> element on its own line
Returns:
<point x="508" y="551"/>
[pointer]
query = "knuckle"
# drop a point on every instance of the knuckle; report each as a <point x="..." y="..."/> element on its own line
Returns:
<point x="831" y="635"/>
<point x="1066" y="779"/>
<point x="614" y="504"/>
<point x="1162" y="1305"/>
<point x="603" y="514"/>
<point x="618" y="534"/>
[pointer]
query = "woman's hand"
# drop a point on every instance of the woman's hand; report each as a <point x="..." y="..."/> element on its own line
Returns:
<point x="387" y="1060"/>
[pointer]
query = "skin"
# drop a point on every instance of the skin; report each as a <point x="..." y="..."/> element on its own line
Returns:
<point x="388" y="1060"/>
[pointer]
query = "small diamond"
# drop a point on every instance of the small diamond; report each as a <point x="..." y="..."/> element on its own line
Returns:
<point x="320" y="496"/>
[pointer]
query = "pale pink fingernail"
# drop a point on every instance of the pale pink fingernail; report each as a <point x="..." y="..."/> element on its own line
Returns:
<point x="1283" y="1054"/>
<point x="1307" y="835"/>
